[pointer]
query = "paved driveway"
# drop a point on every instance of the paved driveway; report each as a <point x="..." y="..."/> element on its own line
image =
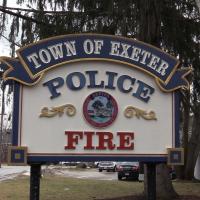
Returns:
<point x="10" y="172"/>
<point x="88" y="174"/>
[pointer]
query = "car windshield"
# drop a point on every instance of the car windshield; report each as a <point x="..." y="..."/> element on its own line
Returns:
<point x="106" y="163"/>
<point x="129" y="163"/>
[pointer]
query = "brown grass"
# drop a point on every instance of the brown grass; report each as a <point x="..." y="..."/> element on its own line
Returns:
<point x="60" y="188"/>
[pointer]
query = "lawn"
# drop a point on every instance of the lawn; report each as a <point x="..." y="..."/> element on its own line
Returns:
<point x="61" y="188"/>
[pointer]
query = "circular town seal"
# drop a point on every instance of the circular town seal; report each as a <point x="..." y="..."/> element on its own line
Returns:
<point x="100" y="109"/>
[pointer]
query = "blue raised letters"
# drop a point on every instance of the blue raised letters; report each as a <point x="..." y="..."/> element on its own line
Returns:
<point x="143" y="91"/>
<point x="71" y="84"/>
<point x="111" y="77"/>
<point x="92" y="79"/>
<point x="76" y="81"/>
<point x="53" y="85"/>
<point x="120" y="83"/>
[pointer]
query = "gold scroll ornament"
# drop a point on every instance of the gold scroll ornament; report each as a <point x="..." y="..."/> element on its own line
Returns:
<point x="58" y="110"/>
<point x="132" y="111"/>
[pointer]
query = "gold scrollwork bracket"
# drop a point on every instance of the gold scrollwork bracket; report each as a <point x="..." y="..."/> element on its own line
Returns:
<point x="58" y="110"/>
<point x="132" y="111"/>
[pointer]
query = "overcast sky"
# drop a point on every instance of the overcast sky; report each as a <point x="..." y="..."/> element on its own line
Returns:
<point x="4" y="44"/>
<point x="5" y="51"/>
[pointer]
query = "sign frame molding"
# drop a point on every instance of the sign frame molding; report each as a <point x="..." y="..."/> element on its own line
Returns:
<point x="42" y="158"/>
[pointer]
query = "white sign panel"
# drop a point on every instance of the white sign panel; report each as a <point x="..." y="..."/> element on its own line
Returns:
<point x="144" y="118"/>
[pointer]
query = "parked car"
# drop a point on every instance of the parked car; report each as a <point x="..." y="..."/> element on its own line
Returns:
<point x="108" y="166"/>
<point x="128" y="170"/>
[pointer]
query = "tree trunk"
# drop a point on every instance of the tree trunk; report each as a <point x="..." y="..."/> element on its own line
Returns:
<point x="198" y="4"/>
<point x="164" y="185"/>
<point x="193" y="147"/>
<point x="149" y="31"/>
<point x="180" y="170"/>
<point x="149" y="21"/>
<point x="1" y="126"/>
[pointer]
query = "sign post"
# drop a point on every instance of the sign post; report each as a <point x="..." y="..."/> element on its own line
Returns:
<point x="35" y="181"/>
<point x="151" y="181"/>
<point x="93" y="97"/>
